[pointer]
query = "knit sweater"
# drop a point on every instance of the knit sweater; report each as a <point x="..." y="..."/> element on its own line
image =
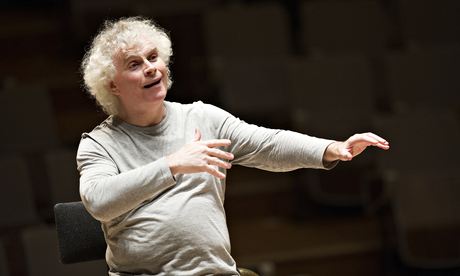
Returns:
<point x="158" y="224"/>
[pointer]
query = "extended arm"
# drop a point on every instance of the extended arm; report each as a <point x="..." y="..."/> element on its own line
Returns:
<point x="272" y="149"/>
<point x="280" y="150"/>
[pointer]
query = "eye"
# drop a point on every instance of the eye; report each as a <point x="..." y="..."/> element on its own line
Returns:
<point x="133" y="65"/>
<point x="153" y="57"/>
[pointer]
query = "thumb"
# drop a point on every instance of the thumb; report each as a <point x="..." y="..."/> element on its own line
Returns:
<point x="197" y="135"/>
<point x="347" y="156"/>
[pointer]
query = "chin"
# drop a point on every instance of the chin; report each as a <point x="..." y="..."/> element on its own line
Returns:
<point x="157" y="95"/>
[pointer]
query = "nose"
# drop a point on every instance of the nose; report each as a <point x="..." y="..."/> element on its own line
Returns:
<point x="150" y="68"/>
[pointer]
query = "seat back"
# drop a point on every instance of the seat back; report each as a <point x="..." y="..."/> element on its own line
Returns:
<point x="427" y="221"/>
<point x="80" y="236"/>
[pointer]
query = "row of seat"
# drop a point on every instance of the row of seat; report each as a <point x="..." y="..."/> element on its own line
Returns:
<point x="331" y="96"/>
<point x="34" y="183"/>
<point x="310" y="243"/>
<point x="369" y="26"/>
<point x="335" y="96"/>
<point x="4" y="270"/>
<point x="38" y="254"/>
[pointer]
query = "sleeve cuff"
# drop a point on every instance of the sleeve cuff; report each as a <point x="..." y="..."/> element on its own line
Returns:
<point x="166" y="172"/>
<point x="328" y="165"/>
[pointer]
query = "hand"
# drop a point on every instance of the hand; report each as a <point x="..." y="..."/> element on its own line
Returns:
<point x="201" y="156"/>
<point x="353" y="146"/>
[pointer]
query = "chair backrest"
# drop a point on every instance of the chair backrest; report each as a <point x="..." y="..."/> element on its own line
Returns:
<point x="80" y="236"/>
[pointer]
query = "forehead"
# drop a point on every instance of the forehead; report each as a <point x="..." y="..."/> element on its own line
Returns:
<point x="138" y="48"/>
<point x="127" y="53"/>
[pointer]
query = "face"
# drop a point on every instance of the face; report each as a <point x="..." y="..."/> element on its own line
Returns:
<point x="141" y="78"/>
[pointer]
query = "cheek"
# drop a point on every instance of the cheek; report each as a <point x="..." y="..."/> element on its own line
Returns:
<point x="165" y="79"/>
<point x="126" y="80"/>
<point x="164" y="72"/>
<point x="131" y="77"/>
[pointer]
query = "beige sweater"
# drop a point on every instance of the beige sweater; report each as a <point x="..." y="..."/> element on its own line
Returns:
<point x="157" y="225"/>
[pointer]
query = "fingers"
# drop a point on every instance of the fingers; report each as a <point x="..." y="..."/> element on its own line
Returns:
<point x="212" y="171"/>
<point x="220" y="153"/>
<point x="382" y="143"/>
<point x="346" y="156"/>
<point x="371" y="139"/>
<point x="210" y="156"/>
<point x="218" y="162"/>
<point x="214" y="143"/>
<point x="213" y="160"/>
<point x="378" y="141"/>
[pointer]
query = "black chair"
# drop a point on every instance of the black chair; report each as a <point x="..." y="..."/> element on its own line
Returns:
<point x="80" y="236"/>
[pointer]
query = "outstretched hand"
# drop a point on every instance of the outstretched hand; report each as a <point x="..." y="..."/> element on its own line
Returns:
<point x="201" y="156"/>
<point x="353" y="146"/>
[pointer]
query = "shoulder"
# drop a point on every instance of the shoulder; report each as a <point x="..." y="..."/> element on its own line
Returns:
<point x="199" y="108"/>
<point x="106" y="130"/>
<point x="197" y="105"/>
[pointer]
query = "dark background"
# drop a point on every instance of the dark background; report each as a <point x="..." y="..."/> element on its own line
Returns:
<point x="325" y="68"/>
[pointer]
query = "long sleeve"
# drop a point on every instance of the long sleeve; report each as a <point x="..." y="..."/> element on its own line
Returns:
<point x="106" y="193"/>
<point x="270" y="149"/>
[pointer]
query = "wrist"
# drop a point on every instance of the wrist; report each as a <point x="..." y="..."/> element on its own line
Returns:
<point x="173" y="167"/>
<point x="331" y="152"/>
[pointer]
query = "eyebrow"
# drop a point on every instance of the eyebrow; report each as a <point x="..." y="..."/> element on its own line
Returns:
<point x="136" y="55"/>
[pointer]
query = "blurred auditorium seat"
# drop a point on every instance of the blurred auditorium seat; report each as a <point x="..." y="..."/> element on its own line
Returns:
<point x="352" y="245"/>
<point x="421" y="138"/>
<point x="332" y="97"/>
<point x="252" y="193"/>
<point x="16" y="197"/>
<point x="28" y="28"/>
<point x="343" y="26"/>
<point x="424" y="76"/>
<point x="95" y="12"/>
<point x="255" y="89"/>
<point x="247" y="30"/>
<point x="427" y="221"/>
<point x="245" y="59"/>
<point x="29" y="119"/>
<point x="160" y="7"/>
<point x="430" y="22"/>
<point x="3" y="261"/>
<point x="63" y="175"/>
<point x="41" y="249"/>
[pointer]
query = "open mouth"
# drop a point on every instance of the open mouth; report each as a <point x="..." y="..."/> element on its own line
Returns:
<point x="153" y="83"/>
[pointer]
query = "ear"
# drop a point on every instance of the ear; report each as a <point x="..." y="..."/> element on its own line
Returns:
<point x="113" y="88"/>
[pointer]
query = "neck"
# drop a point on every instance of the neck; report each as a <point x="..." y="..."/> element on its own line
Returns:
<point x="144" y="118"/>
